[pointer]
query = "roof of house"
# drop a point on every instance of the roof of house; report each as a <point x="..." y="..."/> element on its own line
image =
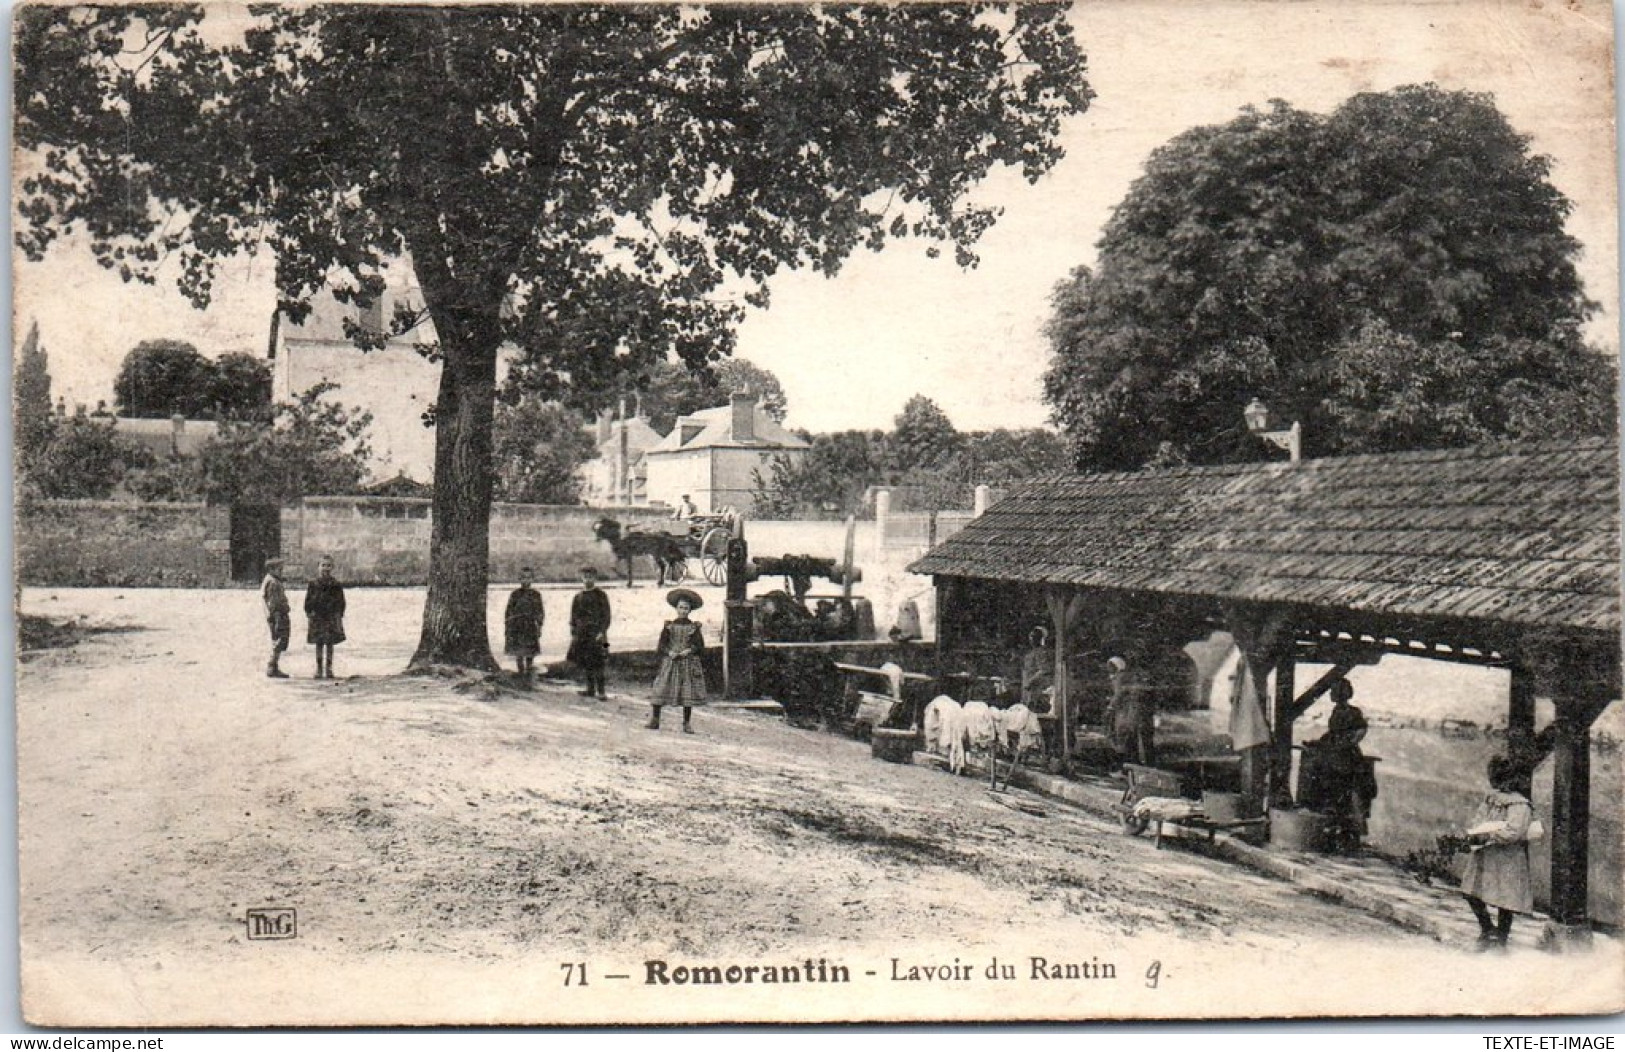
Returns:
<point x="1525" y="534"/>
<point x="402" y="485"/>
<point x="167" y="437"/>
<point x="713" y="429"/>
<point x="639" y="437"/>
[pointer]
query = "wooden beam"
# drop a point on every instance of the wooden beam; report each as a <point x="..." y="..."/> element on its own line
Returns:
<point x="1307" y="699"/>
<point x="1571" y="816"/>
<point x="1521" y="702"/>
<point x="1259" y="632"/>
<point x="1065" y="607"/>
<point x="948" y="592"/>
<point x="1281" y="748"/>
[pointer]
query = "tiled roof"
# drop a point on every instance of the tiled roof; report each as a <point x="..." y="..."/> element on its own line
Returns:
<point x="1525" y="534"/>
<point x="715" y="429"/>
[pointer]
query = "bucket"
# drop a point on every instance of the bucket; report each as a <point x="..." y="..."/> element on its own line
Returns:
<point x="1221" y="807"/>
<point x="1297" y="830"/>
<point x="893" y="746"/>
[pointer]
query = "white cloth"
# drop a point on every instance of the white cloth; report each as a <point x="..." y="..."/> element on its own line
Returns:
<point x="894" y="676"/>
<point x="1021" y="724"/>
<point x="1248" y="727"/>
<point x="981" y="726"/>
<point x="944" y="730"/>
<point x="1166" y="809"/>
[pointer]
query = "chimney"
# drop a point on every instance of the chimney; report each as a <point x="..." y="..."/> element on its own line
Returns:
<point x="744" y="416"/>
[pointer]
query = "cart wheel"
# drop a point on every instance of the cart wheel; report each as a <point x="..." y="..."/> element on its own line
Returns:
<point x="677" y="572"/>
<point x="714" y="554"/>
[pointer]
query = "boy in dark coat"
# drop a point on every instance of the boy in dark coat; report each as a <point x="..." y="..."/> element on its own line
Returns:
<point x="522" y="623"/>
<point x="589" y="632"/>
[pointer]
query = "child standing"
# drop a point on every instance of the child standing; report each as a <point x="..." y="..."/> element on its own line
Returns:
<point x="277" y="617"/>
<point x="324" y="611"/>
<point x="1497" y="869"/>
<point x="681" y="679"/>
<point x="589" y="633"/>
<point x="522" y="623"/>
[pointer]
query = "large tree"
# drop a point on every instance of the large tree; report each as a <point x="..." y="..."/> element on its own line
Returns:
<point x="1392" y="275"/>
<point x="923" y="436"/>
<point x="601" y="185"/>
<point x="164" y="378"/>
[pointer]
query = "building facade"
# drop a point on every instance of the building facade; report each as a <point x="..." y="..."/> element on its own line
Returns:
<point x="713" y="456"/>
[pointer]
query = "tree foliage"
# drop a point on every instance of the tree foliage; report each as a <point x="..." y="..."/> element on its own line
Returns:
<point x="602" y="185"/>
<point x="311" y="446"/>
<point x="923" y="436"/>
<point x="836" y="475"/>
<point x="1298" y="259"/>
<point x="240" y="388"/>
<point x="164" y="378"/>
<point x="673" y="390"/>
<point x="86" y="459"/>
<point x="34" y="423"/>
<point x="537" y="449"/>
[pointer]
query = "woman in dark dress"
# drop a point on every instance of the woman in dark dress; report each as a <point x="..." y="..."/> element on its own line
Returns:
<point x="324" y="614"/>
<point x="681" y="679"/>
<point x="522" y="623"/>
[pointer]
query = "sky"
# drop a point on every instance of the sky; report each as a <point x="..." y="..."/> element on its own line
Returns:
<point x="851" y="350"/>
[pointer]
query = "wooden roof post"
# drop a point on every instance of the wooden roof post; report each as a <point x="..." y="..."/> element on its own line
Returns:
<point x="1283" y="717"/>
<point x="1521" y="702"/>
<point x="1258" y="632"/>
<point x="1571" y="813"/>
<point x="1064" y="610"/>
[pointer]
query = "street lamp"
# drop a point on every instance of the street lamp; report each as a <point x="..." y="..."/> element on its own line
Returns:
<point x="1257" y="415"/>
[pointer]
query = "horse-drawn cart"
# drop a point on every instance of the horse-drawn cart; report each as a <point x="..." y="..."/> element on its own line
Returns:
<point x="703" y="538"/>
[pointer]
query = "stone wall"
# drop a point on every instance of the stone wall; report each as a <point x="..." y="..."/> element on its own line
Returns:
<point x="98" y="543"/>
<point x="377" y="540"/>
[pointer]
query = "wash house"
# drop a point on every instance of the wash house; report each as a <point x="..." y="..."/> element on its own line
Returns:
<point x="1503" y="556"/>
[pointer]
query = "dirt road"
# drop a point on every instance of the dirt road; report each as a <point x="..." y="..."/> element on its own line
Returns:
<point x="450" y="847"/>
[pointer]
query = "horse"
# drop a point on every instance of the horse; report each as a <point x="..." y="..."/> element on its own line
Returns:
<point x="661" y="547"/>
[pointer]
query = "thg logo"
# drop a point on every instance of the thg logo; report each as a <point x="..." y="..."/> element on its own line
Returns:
<point x="272" y="923"/>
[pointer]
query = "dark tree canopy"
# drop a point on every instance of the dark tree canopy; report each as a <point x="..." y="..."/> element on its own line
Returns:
<point x="603" y="186"/>
<point x="34" y="423"/>
<point x="163" y="378"/>
<point x="538" y="447"/>
<point x="240" y="388"/>
<point x="1393" y="275"/>
<point x="923" y="436"/>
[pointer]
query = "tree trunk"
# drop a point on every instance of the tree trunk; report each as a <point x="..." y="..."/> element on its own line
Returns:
<point x="454" y="628"/>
